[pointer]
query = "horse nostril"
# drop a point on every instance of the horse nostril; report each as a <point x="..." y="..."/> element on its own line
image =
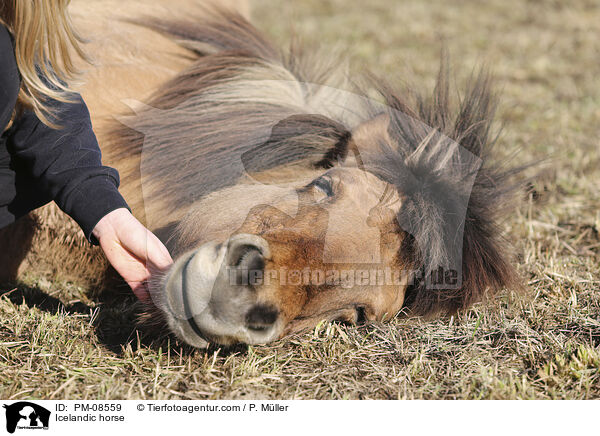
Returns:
<point x="242" y="254"/>
<point x="242" y="247"/>
<point x="252" y="260"/>
<point x="261" y="317"/>
<point x="249" y="267"/>
<point x="245" y="260"/>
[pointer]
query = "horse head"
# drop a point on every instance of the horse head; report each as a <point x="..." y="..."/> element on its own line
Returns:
<point x="288" y="197"/>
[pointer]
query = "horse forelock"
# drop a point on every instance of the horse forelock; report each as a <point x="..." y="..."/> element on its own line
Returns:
<point x="454" y="192"/>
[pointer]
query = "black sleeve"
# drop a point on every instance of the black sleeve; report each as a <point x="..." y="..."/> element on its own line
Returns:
<point x="9" y="78"/>
<point x="65" y="164"/>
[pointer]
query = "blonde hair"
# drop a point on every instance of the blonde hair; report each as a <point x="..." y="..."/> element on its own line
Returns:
<point x="46" y="43"/>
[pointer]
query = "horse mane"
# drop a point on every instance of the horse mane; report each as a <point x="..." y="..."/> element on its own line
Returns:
<point x="452" y="184"/>
<point x="244" y="107"/>
<point x="240" y="95"/>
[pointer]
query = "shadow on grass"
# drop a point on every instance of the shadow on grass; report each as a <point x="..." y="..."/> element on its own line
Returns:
<point x="115" y="318"/>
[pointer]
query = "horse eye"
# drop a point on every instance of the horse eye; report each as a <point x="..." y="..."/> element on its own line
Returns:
<point x="324" y="185"/>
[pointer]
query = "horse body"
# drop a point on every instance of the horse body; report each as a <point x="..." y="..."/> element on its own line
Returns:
<point x="271" y="179"/>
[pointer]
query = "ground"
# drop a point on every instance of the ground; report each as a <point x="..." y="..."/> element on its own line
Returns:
<point x="56" y="341"/>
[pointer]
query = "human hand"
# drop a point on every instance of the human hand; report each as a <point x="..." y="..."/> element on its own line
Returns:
<point x="133" y="250"/>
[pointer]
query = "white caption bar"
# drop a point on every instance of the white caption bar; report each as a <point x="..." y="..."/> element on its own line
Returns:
<point x="165" y="418"/>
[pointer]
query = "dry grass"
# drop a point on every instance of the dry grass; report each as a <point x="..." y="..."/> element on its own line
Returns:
<point x="56" y="342"/>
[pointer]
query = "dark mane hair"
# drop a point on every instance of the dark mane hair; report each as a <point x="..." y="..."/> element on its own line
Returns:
<point x="245" y="95"/>
<point x="452" y="185"/>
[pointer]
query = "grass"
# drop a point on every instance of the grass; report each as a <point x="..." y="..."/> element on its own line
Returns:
<point x="58" y="341"/>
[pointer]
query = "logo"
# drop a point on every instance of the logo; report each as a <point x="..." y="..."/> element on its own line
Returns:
<point x="26" y="415"/>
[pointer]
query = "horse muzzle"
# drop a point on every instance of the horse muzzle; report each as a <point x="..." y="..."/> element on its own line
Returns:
<point x="212" y="294"/>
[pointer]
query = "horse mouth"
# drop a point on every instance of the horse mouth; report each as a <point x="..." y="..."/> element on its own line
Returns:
<point x="208" y="295"/>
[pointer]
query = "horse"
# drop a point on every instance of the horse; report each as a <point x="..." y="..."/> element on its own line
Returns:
<point x="289" y="194"/>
